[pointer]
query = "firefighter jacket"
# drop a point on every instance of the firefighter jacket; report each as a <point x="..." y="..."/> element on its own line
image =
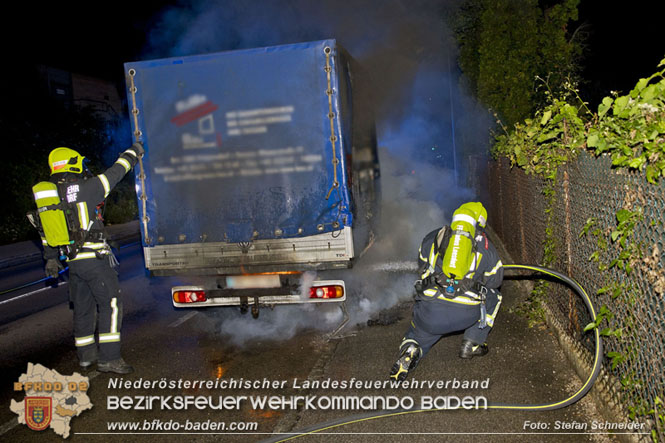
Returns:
<point x="86" y="194"/>
<point x="486" y="269"/>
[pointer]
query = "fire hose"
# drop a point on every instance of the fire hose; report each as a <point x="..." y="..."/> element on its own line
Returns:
<point x="588" y="384"/>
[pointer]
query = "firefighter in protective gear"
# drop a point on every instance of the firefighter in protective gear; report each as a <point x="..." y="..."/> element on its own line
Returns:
<point x="94" y="289"/>
<point x="460" y="273"/>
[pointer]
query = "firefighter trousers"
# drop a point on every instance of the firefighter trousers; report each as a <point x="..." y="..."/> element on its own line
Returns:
<point x="433" y="318"/>
<point x="94" y="291"/>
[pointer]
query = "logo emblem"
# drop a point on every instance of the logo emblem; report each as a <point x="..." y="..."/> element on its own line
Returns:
<point x="38" y="412"/>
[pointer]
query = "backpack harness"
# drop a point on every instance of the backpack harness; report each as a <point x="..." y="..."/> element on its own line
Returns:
<point x="450" y="287"/>
<point x="57" y="221"/>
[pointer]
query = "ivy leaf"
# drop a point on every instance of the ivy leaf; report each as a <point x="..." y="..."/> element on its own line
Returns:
<point x="592" y="140"/>
<point x="546" y="117"/>
<point x="548" y="135"/>
<point x="618" y="160"/>
<point x="649" y="92"/>
<point x="604" y="106"/>
<point x="522" y="160"/>
<point x="620" y="104"/>
<point x="623" y="215"/>
<point x="603" y="290"/>
<point x="641" y="84"/>
<point x="589" y="223"/>
<point x="589" y="327"/>
<point x="602" y="146"/>
<point x="652" y="174"/>
<point x="636" y="162"/>
<point x="617" y="291"/>
<point x="616" y="358"/>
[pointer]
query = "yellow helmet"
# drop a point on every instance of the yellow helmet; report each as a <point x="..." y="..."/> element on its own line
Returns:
<point x="65" y="160"/>
<point x="480" y="212"/>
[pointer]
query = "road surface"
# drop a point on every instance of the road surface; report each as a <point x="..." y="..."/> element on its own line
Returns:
<point x="286" y="353"/>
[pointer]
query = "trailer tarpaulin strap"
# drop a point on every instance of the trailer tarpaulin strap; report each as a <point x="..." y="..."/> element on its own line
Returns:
<point x="331" y="116"/>
<point x="137" y="137"/>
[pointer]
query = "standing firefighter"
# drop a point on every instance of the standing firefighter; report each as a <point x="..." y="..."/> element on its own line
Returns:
<point x="71" y="228"/>
<point x="460" y="273"/>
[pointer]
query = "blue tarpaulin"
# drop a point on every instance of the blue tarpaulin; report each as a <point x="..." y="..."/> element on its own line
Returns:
<point x="239" y="144"/>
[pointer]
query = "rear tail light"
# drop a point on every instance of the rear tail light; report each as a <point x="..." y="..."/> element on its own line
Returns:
<point x="189" y="296"/>
<point x="332" y="291"/>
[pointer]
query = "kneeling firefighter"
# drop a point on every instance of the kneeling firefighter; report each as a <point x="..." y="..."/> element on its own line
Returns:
<point x="460" y="272"/>
<point x="70" y="224"/>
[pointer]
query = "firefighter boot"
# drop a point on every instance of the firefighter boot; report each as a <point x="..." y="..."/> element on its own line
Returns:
<point x="87" y="356"/>
<point x="407" y="361"/>
<point x="85" y="364"/>
<point x="470" y="349"/>
<point x="118" y="366"/>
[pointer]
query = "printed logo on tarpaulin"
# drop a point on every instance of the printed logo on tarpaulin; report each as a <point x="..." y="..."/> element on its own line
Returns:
<point x="38" y="412"/>
<point x="197" y="108"/>
<point x="51" y="399"/>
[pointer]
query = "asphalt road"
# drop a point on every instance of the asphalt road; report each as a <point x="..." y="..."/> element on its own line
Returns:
<point x="287" y="348"/>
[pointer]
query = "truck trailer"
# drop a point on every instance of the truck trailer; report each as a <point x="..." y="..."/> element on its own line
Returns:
<point x="260" y="165"/>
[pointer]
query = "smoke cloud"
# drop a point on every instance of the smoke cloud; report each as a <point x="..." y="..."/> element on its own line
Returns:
<point x="427" y="128"/>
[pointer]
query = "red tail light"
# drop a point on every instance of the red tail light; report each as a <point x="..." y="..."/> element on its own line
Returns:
<point x="189" y="296"/>
<point x="334" y="291"/>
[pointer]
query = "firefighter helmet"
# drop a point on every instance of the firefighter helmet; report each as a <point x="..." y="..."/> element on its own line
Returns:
<point x="480" y="212"/>
<point x="65" y="160"/>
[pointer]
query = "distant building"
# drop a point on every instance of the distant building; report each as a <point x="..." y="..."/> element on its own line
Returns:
<point x="81" y="90"/>
<point x="58" y="84"/>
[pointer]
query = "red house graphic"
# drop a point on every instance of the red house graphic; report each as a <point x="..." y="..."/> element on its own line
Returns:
<point x="200" y="110"/>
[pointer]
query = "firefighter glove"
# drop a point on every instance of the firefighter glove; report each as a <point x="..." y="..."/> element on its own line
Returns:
<point x="138" y="148"/>
<point x="53" y="268"/>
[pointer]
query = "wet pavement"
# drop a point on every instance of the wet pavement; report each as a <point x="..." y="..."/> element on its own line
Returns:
<point x="525" y="366"/>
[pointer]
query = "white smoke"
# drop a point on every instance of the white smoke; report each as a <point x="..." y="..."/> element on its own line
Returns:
<point x="305" y="283"/>
<point x="412" y="206"/>
<point x="423" y="122"/>
<point x="379" y="280"/>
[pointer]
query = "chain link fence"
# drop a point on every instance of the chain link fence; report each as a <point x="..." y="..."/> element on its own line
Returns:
<point x="589" y="189"/>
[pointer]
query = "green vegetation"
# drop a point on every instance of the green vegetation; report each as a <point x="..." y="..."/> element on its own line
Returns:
<point x="631" y="129"/>
<point x="506" y="45"/>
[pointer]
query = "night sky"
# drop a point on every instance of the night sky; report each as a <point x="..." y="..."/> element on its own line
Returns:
<point x="624" y="42"/>
<point x="425" y="122"/>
